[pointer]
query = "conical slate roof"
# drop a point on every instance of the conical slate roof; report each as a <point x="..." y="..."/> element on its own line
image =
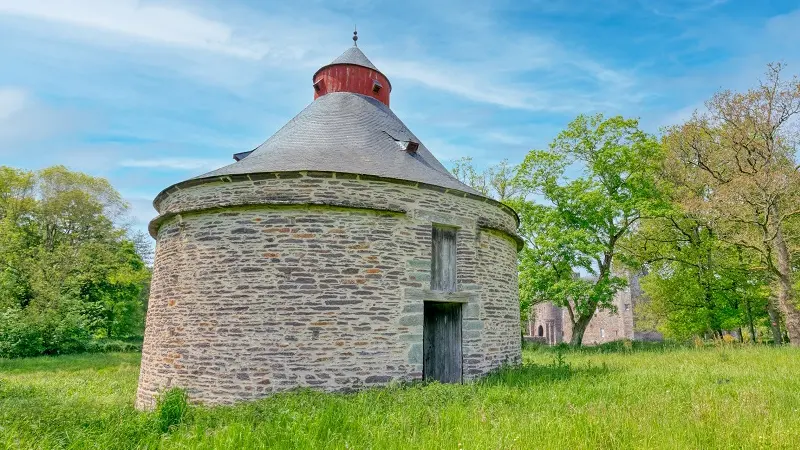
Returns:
<point x="355" y="56"/>
<point x="349" y="133"/>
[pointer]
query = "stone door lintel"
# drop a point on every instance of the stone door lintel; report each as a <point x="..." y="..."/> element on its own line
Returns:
<point x="447" y="297"/>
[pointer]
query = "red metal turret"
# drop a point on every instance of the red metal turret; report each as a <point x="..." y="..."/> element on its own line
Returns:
<point x="352" y="72"/>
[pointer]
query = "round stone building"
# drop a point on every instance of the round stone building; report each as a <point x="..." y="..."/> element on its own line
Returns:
<point x="338" y="255"/>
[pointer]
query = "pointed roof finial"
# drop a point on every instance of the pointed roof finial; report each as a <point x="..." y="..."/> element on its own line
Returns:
<point x="355" y="36"/>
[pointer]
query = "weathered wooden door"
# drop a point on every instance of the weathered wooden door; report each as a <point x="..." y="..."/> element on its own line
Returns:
<point x="441" y="337"/>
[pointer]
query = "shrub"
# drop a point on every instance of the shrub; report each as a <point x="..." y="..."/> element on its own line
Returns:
<point x="66" y="333"/>
<point x="19" y="337"/>
<point x="114" y="345"/>
<point x="32" y="333"/>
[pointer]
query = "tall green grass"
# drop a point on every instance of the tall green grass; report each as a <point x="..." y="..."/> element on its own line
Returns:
<point x="608" y="397"/>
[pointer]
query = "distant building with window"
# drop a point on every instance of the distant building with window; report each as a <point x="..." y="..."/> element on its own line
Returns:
<point x="338" y="255"/>
<point x="550" y="324"/>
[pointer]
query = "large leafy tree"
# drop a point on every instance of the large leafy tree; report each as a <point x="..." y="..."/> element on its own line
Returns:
<point x="65" y="262"/>
<point x="594" y="184"/>
<point x="742" y="153"/>
<point x="696" y="284"/>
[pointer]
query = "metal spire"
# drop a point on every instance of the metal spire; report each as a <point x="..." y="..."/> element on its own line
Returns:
<point x="355" y="36"/>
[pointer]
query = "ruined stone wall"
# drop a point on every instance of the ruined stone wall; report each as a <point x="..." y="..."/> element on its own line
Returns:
<point x="277" y="289"/>
<point x="605" y="326"/>
<point x="551" y="318"/>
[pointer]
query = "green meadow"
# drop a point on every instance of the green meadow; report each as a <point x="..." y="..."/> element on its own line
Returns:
<point x="608" y="397"/>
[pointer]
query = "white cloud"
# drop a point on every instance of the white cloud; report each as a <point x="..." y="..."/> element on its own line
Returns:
<point x="141" y="208"/>
<point x="681" y="115"/>
<point x="681" y="9"/>
<point x="493" y="87"/>
<point x="132" y="18"/>
<point x="459" y="82"/>
<point x="785" y="27"/>
<point x="12" y="101"/>
<point x="24" y="119"/>
<point x="519" y="70"/>
<point x="187" y="164"/>
<point x="446" y="151"/>
<point x="502" y="137"/>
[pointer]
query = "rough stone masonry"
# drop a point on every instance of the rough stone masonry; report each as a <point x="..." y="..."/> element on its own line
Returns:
<point x="324" y="288"/>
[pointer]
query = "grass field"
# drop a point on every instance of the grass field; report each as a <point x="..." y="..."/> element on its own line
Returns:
<point x="745" y="397"/>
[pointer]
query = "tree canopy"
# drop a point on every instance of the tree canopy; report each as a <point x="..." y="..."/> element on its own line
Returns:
<point x="708" y="214"/>
<point x="595" y="182"/>
<point x="736" y="167"/>
<point x="68" y="272"/>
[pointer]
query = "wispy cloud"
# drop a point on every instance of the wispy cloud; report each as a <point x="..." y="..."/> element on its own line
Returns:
<point x="506" y="138"/>
<point x="456" y="81"/>
<point x="12" y="101"/>
<point x="522" y="70"/>
<point x="186" y="164"/>
<point x="681" y="9"/>
<point x="135" y="19"/>
<point x="24" y="119"/>
<point x="489" y="86"/>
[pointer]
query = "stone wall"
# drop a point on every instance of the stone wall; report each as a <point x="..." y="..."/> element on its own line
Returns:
<point x="496" y="330"/>
<point x="325" y="188"/>
<point x="261" y="286"/>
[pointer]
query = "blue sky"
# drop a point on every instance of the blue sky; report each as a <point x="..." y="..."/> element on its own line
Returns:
<point x="149" y="93"/>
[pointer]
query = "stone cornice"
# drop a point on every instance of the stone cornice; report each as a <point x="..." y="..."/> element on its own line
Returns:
<point x="334" y="175"/>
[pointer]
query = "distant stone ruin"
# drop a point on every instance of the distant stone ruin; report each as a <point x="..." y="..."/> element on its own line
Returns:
<point x="550" y="324"/>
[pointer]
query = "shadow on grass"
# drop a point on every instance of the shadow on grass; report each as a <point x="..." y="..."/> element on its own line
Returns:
<point x="531" y="374"/>
<point x="622" y="346"/>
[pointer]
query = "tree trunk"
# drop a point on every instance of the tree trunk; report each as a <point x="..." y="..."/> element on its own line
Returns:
<point x="750" y="322"/>
<point x="774" y="323"/>
<point x="786" y="292"/>
<point x="578" y="329"/>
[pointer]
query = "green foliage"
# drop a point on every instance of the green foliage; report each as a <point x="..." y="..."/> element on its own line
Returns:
<point x="614" y="397"/>
<point x="68" y="274"/>
<point x="496" y="181"/>
<point x="115" y="345"/>
<point x="735" y="166"/>
<point x="46" y="332"/>
<point x="596" y="181"/>
<point x="171" y="409"/>
<point x="697" y="284"/>
<point x="19" y="336"/>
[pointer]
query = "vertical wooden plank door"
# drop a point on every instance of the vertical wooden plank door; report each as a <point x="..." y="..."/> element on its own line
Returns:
<point x="441" y="337"/>
<point x="443" y="259"/>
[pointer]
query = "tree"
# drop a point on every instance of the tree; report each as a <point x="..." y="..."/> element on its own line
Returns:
<point x="596" y="180"/>
<point x="67" y="271"/>
<point x="742" y="153"/>
<point x="695" y="283"/>
<point x="496" y="181"/>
